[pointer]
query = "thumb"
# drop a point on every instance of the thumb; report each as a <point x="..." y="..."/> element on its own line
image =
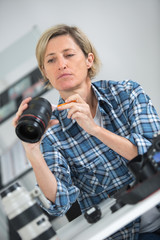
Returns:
<point x="52" y="123"/>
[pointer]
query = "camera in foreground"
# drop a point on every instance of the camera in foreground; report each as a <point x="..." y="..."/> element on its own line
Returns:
<point x="146" y="170"/>
<point x="25" y="215"/>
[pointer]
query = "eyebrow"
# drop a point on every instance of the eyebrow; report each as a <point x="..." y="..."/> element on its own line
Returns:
<point x="50" y="54"/>
<point x="65" y="50"/>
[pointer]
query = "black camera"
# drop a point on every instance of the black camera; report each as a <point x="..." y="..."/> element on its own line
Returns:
<point x="34" y="120"/>
<point x="146" y="170"/>
<point x="147" y="165"/>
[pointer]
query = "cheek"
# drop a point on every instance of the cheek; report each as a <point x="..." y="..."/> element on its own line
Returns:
<point x="81" y="67"/>
<point x="49" y="72"/>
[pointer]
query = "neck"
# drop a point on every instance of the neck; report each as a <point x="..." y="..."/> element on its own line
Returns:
<point x="83" y="89"/>
<point x="87" y="94"/>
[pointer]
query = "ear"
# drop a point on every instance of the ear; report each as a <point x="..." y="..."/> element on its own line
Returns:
<point x="90" y="60"/>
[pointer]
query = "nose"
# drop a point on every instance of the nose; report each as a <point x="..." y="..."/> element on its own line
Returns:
<point x="61" y="63"/>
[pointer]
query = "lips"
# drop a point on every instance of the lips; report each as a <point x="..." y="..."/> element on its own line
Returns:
<point x="64" y="75"/>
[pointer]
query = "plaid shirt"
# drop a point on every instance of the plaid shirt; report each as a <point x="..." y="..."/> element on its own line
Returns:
<point x="85" y="168"/>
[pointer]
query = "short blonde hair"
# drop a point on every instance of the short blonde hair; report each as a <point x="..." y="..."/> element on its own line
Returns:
<point x="78" y="36"/>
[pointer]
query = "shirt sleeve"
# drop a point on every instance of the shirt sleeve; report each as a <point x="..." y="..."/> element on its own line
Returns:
<point x="67" y="193"/>
<point x="143" y="118"/>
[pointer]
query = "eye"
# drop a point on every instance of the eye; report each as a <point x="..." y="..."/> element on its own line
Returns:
<point x="70" y="55"/>
<point x="52" y="60"/>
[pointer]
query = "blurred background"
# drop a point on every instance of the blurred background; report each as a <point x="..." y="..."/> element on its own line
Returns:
<point x="126" y="34"/>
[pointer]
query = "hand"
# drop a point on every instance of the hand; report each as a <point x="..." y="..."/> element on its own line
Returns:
<point x="23" y="106"/>
<point x="80" y="111"/>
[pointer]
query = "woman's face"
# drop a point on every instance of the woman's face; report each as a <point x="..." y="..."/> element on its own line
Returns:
<point x="65" y="65"/>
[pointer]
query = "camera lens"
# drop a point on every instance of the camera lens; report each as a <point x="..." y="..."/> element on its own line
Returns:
<point x="34" y="120"/>
<point x="30" y="129"/>
<point x="25" y="215"/>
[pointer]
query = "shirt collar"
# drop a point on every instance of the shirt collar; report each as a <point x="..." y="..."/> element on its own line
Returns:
<point x="101" y="95"/>
<point x="67" y="123"/>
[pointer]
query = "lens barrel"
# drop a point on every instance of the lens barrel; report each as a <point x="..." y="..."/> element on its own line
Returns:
<point x="34" y="120"/>
<point x="25" y="215"/>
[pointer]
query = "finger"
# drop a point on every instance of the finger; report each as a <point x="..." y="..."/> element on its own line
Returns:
<point x="53" y="107"/>
<point x="79" y="116"/>
<point x="75" y="97"/>
<point x="66" y="105"/>
<point x="22" y="107"/>
<point x="26" y="100"/>
<point x="74" y="109"/>
<point x="15" y="121"/>
<point x="52" y="123"/>
<point x="16" y="118"/>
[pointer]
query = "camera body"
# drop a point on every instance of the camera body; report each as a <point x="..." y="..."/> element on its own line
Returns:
<point x="146" y="170"/>
<point x="25" y="215"/>
<point x="34" y="120"/>
<point x="148" y="164"/>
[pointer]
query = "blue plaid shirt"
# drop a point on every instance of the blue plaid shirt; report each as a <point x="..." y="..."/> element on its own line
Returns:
<point x="85" y="168"/>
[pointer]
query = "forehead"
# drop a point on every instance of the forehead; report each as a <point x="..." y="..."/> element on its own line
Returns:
<point x="60" y="43"/>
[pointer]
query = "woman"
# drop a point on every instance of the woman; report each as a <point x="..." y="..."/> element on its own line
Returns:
<point x="84" y="153"/>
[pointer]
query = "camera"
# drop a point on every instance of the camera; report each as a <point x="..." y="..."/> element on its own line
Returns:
<point x="147" y="165"/>
<point x="34" y="120"/>
<point x="146" y="170"/>
<point x="25" y="215"/>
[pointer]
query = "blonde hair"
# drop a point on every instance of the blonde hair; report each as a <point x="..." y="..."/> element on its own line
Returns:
<point x="78" y="36"/>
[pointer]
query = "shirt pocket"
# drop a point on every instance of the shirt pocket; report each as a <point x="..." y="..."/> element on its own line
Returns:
<point x="92" y="178"/>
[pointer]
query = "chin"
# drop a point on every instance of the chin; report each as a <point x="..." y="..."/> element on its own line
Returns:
<point x="67" y="86"/>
